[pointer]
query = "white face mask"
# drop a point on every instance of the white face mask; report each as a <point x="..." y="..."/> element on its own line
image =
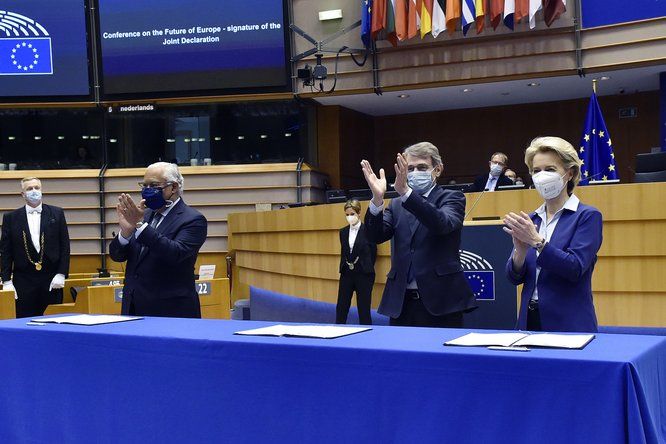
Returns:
<point x="548" y="183"/>
<point x="352" y="219"/>
<point x="496" y="169"/>
<point x="34" y="196"/>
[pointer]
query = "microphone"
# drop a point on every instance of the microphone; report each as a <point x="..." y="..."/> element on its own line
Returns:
<point x="474" y="204"/>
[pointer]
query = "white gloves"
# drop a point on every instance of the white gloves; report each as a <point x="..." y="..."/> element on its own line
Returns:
<point x="57" y="282"/>
<point x="9" y="286"/>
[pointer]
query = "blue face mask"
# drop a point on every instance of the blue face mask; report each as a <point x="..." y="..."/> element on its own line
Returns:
<point x="420" y="181"/>
<point x="153" y="197"/>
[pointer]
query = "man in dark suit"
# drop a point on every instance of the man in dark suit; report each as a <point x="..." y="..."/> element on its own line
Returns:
<point x="426" y="285"/>
<point x="160" y="239"/>
<point x="495" y="177"/>
<point x="357" y="267"/>
<point x="35" y="252"/>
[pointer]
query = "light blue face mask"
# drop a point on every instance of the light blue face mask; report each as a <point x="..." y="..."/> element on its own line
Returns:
<point x="420" y="181"/>
<point x="34" y="196"/>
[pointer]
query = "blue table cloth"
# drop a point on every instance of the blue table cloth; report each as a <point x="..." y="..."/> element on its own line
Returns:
<point x="185" y="380"/>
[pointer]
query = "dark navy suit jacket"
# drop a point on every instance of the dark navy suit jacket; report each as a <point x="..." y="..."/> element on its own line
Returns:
<point x="426" y="233"/>
<point x="565" y="280"/>
<point x="159" y="280"/>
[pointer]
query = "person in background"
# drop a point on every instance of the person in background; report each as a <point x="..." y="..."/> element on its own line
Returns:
<point x="426" y="285"/>
<point x="159" y="238"/>
<point x="555" y="248"/>
<point x="494" y="178"/>
<point x="511" y="175"/>
<point x="357" y="267"/>
<point x="34" y="252"/>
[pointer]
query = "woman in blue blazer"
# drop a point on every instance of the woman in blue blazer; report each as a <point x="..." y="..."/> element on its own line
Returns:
<point x="555" y="248"/>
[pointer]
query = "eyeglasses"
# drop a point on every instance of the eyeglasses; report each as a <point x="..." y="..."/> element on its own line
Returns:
<point x="157" y="185"/>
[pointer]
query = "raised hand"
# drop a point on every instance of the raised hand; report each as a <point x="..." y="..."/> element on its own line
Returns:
<point x="129" y="214"/>
<point x="376" y="184"/>
<point x="401" y="174"/>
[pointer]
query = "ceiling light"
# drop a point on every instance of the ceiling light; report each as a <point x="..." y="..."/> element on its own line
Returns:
<point x="287" y="134"/>
<point x="187" y="140"/>
<point x="241" y="137"/>
<point x="85" y="137"/>
<point x="61" y="137"/>
<point x="171" y="140"/>
<point x="264" y="136"/>
<point x="113" y="140"/>
<point x="38" y="137"/>
<point x="534" y="84"/>
<point x="11" y="138"/>
<point x="403" y="96"/>
<point x="217" y="139"/>
<point x="201" y="139"/>
<point x="94" y="137"/>
<point x="333" y="14"/>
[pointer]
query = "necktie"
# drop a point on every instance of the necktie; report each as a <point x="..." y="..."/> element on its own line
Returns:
<point x="156" y="220"/>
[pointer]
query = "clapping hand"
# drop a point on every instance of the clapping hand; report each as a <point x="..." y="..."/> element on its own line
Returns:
<point x="400" y="166"/>
<point x="377" y="184"/>
<point x="129" y="214"/>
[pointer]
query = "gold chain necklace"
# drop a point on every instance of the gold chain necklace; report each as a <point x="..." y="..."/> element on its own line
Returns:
<point x="38" y="265"/>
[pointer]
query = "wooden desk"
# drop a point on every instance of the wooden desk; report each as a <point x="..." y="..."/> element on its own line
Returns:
<point x="214" y="297"/>
<point x="7" y="305"/>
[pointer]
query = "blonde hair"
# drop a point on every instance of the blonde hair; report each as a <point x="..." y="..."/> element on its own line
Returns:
<point x="504" y="156"/>
<point x="424" y="149"/>
<point x="564" y="150"/>
<point x="28" y="179"/>
<point x="354" y="205"/>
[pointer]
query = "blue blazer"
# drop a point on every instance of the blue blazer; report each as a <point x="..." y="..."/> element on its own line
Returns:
<point x="565" y="280"/>
<point x="426" y="234"/>
<point x="159" y="278"/>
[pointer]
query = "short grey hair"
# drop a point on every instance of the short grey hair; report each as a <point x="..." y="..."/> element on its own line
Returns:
<point x="171" y="174"/>
<point x="424" y="149"/>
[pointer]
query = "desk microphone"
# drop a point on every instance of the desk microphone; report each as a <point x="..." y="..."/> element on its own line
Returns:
<point x="474" y="204"/>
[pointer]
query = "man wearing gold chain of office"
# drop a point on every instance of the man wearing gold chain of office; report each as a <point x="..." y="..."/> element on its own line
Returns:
<point x="34" y="252"/>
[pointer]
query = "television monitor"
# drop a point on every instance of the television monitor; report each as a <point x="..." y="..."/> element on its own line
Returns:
<point x="162" y="48"/>
<point x="43" y="50"/>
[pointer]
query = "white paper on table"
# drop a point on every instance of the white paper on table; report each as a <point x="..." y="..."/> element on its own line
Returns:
<point x="86" y="319"/>
<point x="487" y="339"/>
<point x="552" y="340"/>
<point x="304" y="331"/>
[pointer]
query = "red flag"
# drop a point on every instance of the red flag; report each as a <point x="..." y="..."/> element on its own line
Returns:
<point x="496" y="8"/>
<point x="378" y="17"/>
<point x="412" y="26"/>
<point x="401" y="19"/>
<point x="552" y="9"/>
<point x="522" y="10"/>
<point x="453" y="12"/>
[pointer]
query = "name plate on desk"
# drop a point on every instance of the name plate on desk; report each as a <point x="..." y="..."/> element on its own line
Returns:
<point x="203" y="288"/>
<point x="103" y="282"/>
<point x="118" y="295"/>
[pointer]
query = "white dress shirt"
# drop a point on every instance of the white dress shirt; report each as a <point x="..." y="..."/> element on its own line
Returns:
<point x="353" y="232"/>
<point x="34" y="221"/>
<point x="491" y="183"/>
<point x="139" y="230"/>
<point x="547" y="227"/>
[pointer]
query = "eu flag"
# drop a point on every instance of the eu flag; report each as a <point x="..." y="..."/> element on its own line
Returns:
<point x="366" y="22"/>
<point x="596" y="147"/>
<point x="482" y="284"/>
<point x="25" y="56"/>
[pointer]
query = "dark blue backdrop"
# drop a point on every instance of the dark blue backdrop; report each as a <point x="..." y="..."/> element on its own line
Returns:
<point x="65" y="23"/>
<point x="609" y="12"/>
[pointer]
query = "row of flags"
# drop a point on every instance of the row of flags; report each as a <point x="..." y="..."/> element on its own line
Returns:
<point x="399" y="20"/>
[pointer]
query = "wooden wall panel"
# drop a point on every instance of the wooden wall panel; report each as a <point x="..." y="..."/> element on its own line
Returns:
<point x="296" y="251"/>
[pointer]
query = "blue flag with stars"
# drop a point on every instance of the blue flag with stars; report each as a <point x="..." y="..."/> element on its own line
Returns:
<point x="596" y="147"/>
<point x="25" y="56"/>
